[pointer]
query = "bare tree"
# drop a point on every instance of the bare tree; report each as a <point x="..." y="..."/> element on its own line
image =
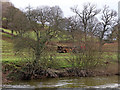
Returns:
<point x="107" y="22"/>
<point x="55" y="18"/>
<point x="19" y="23"/>
<point x="89" y="11"/>
<point x="9" y="16"/>
<point x="43" y="23"/>
<point x="5" y="7"/>
<point x="71" y="25"/>
<point x="88" y="25"/>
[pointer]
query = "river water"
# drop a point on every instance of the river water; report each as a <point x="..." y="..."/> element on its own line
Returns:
<point x="68" y="82"/>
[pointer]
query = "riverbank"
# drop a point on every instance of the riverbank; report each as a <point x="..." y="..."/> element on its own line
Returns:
<point x="9" y="76"/>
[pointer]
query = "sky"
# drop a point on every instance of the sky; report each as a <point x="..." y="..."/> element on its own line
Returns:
<point x="65" y="4"/>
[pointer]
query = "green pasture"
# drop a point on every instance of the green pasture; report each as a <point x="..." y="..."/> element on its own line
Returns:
<point x="8" y="30"/>
<point x="62" y="36"/>
<point x="8" y="53"/>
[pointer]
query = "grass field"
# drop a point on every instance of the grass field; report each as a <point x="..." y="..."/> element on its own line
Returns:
<point x="8" y="53"/>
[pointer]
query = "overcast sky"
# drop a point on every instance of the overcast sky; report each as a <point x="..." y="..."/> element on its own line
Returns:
<point x="65" y="4"/>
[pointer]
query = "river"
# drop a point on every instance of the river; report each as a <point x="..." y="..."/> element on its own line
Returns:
<point x="68" y="82"/>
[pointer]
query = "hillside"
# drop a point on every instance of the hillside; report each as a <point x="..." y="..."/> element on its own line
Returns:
<point x="7" y="44"/>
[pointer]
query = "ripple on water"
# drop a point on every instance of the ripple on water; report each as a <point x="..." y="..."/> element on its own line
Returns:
<point x="86" y="82"/>
<point x="18" y="86"/>
<point x="112" y="85"/>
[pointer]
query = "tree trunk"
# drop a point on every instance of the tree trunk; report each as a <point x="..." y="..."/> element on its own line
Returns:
<point x="12" y="31"/>
<point x="37" y="54"/>
<point x="100" y="45"/>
